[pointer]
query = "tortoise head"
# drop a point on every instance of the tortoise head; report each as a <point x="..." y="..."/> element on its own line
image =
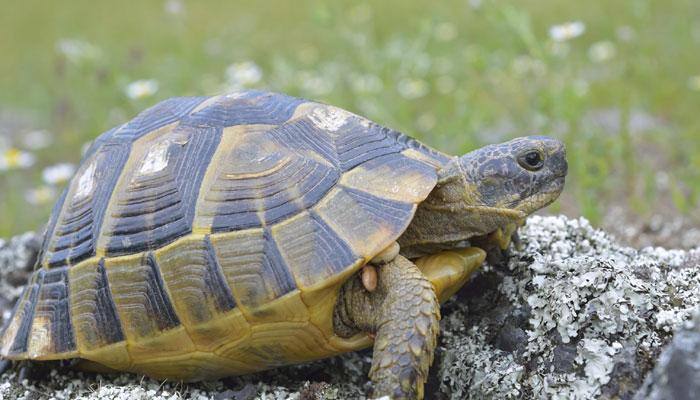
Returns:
<point x="522" y="175"/>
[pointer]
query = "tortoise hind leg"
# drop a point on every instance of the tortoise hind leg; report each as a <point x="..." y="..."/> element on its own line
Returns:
<point x="403" y="312"/>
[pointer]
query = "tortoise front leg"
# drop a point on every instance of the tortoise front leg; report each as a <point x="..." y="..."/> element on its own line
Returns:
<point x="449" y="270"/>
<point x="403" y="313"/>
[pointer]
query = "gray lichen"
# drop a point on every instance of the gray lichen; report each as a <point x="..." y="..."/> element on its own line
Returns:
<point x="571" y="314"/>
<point x="677" y="373"/>
<point x="597" y="316"/>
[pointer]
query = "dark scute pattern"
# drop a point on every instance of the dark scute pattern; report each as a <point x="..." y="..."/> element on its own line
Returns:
<point x="108" y="324"/>
<point x="313" y="250"/>
<point x="159" y="307"/>
<point x="274" y="266"/>
<point x="382" y="210"/>
<point x="215" y="281"/>
<point x="357" y="144"/>
<point x="26" y="314"/>
<point x="312" y="180"/>
<point x="50" y="227"/>
<point x="228" y="221"/>
<point x="300" y="184"/>
<point x="337" y="254"/>
<point x="164" y="113"/>
<point x="156" y="209"/>
<point x="411" y="143"/>
<point x="53" y="306"/>
<point x="353" y="144"/>
<point x="75" y="234"/>
<point x="105" y="137"/>
<point x="303" y="136"/>
<point x="251" y="107"/>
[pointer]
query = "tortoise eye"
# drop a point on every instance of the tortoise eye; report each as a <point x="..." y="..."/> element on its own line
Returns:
<point x="532" y="160"/>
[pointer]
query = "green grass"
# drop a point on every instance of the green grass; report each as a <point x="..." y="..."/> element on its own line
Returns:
<point x="452" y="74"/>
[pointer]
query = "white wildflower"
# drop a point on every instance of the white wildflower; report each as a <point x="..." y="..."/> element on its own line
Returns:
<point x="694" y="83"/>
<point x="602" y="51"/>
<point x="445" y="31"/>
<point x="475" y="4"/>
<point x="174" y="7"/>
<point x="567" y="31"/>
<point x="37" y="139"/>
<point x="13" y="158"/>
<point x="411" y="88"/>
<point x="40" y="195"/>
<point x="58" y="173"/>
<point x="243" y="74"/>
<point x="141" y="88"/>
<point x="77" y="50"/>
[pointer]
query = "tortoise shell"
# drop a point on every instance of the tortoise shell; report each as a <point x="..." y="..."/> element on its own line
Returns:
<point x="209" y="236"/>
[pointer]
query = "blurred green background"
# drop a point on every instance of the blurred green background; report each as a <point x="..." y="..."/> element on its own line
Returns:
<point x="619" y="81"/>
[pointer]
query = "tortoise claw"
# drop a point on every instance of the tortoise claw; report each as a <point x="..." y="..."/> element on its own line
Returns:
<point x="515" y="239"/>
<point x="24" y="370"/>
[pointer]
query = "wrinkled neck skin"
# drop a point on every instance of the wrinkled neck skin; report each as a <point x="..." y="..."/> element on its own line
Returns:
<point x="450" y="215"/>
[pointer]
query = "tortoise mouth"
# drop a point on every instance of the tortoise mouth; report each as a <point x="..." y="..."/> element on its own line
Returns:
<point x="542" y="197"/>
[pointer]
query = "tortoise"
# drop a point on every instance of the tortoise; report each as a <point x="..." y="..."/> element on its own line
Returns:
<point x="217" y="236"/>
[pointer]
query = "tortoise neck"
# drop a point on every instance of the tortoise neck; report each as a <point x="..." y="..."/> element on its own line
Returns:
<point x="449" y="216"/>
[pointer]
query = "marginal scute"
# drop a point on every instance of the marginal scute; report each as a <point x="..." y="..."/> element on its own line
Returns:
<point x="227" y="329"/>
<point x="52" y="332"/>
<point x="16" y="335"/>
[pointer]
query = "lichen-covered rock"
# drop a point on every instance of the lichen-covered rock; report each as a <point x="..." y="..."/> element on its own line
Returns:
<point x="571" y="314"/>
<point x="677" y="373"/>
<point x="595" y="316"/>
<point x="17" y="257"/>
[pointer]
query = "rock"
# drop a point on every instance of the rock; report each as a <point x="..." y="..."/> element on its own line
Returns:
<point x="677" y="373"/>
<point x="17" y="257"/>
<point x="572" y="314"/>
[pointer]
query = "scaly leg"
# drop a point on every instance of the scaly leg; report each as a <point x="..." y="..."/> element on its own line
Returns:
<point x="403" y="313"/>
